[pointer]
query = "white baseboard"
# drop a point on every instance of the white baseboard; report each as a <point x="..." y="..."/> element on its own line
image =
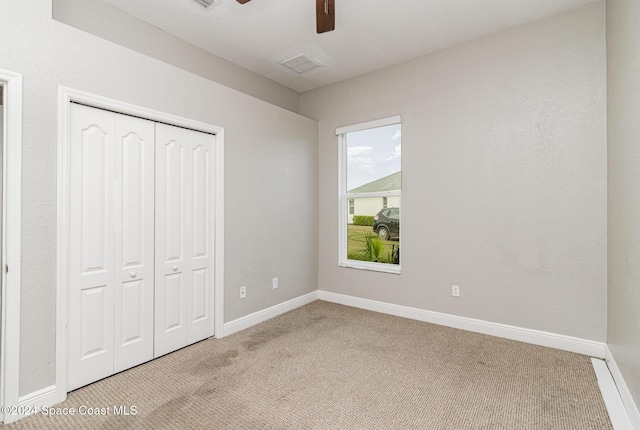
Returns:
<point x="265" y="314"/>
<point x="536" y="337"/>
<point x="611" y="396"/>
<point x="32" y="403"/>
<point x="625" y="394"/>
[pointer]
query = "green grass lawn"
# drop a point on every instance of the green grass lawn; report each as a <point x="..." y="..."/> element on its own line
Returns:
<point x="356" y="243"/>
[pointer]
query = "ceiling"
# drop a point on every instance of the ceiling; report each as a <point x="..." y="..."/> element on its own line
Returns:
<point x="369" y="34"/>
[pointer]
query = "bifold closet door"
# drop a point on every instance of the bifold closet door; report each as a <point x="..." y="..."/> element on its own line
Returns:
<point x="134" y="241"/>
<point x="184" y="238"/>
<point x="110" y="243"/>
<point x="91" y="245"/>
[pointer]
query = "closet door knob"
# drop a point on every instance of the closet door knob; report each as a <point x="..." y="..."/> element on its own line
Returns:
<point x="175" y="268"/>
<point x="132" y="274"/>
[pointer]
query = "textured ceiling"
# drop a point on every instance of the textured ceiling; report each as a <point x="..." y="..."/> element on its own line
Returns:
<point x="370" y="34"/>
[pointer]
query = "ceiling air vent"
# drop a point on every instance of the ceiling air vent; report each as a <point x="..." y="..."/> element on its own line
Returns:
<point x="301" y="63"/>
<point x="206" y="3"/>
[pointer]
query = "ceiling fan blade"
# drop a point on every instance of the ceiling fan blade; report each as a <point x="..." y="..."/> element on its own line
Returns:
<point x="243" y="1"/>
<point x="325" y="15"/>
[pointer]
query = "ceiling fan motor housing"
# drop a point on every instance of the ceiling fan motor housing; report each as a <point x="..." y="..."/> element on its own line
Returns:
<point x="325" y="14"/>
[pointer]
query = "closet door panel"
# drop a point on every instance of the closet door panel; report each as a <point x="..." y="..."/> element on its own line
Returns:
<point x="200" y="296"/>
<point x="91" y="252"/>
<point x="134" y="241"/>
<point x="175" y="199"/>
<point x="184" y="309"/>
<point x="200" y="176"/>
<point x="172" y="237"/>
<point x="174" y="306"/>
<point x="132" y="328"/>
<point x="201" y="311"/>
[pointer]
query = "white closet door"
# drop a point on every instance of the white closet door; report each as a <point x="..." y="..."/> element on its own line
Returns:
<point x="111" y="243"/>
<point x="134" y="241"/>
<point x="91" y="245"/>
<point x="184" y="239"/>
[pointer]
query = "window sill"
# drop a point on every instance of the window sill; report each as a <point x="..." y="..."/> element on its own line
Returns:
<point x="373" y="267"/>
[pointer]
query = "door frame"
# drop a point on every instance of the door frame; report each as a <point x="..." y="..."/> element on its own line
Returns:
<point x="65" y="97"/>
<point x="11" y="242"/>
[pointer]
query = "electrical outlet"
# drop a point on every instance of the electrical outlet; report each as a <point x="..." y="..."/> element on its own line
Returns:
<point x="275" y="283"/>
<point x="243" y="292"/>
<point x="455" y="291"/>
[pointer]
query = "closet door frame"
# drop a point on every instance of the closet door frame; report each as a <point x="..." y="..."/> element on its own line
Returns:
<point x="66" y="96"/>
<point x="11" y="242"/>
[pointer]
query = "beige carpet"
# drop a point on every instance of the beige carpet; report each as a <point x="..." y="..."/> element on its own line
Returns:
<point x="326" y="366"/>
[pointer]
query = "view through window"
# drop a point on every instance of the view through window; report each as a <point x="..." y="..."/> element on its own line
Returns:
<point x="371" y="187"/>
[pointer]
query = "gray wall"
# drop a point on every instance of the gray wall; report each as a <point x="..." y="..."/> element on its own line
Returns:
<point x="504" y="176"/>
<point x="270" y="169"/>
<point x="623" y="104"/>
<point x="112" y="24"/>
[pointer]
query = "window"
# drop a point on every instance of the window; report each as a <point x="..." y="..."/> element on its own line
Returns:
<point x="370" y="188"/>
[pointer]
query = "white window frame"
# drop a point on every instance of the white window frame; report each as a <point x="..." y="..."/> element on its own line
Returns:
<point x="343" y="198"/>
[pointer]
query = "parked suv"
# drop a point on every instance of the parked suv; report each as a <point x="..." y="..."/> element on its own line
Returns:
<point x="386" y="223"/>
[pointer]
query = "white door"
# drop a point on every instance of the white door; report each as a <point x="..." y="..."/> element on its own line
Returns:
<point x="134" y="241"/>
<point x="111" y="243"/>
<point x="184" y="238"/>
<point x="91" y="245"/>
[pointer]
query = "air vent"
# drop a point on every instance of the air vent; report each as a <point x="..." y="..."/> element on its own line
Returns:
<point x="301" y="63"/>
<point x="206" y="3"/>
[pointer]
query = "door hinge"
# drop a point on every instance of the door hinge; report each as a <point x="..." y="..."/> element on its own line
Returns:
<point x="6" y="268"/>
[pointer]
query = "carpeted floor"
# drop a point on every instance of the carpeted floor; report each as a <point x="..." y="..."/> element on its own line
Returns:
<point x="327" y="366"/>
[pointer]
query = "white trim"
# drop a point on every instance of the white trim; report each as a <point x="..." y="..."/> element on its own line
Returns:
<point x="65" y="97"/>
<point x="343" y="201"/>
<point x="535" y="337"/>
<point x="627" y="399"/>
<point x="374" y="194"/>
<point x="33" y="402"/>
<point x="612" y="401"/>
<point x="393" y="269"/>
<point x="369" y="124"/>
<point x="11" y="243"/>
<point x="268" y="313"/>
<point x="62" y="248"/>
<point x="101" y="102"/>
<point x="219" y="236"/>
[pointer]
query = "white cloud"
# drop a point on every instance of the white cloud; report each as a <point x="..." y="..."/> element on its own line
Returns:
<point x="396" y="153"/>
<point x="398" y="135"/>
<point x="354" y="151"/>
<point x="360" y="157"/>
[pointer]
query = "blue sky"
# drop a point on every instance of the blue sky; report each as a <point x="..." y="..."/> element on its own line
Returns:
<point x="372" y="154"/>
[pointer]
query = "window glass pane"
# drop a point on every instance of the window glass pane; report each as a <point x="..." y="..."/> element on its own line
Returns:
<point x="373" y="160"/>
<point x="375" y="239"/>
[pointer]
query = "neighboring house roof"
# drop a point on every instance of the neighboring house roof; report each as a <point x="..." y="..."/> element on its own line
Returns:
<point x="392" y="182"/>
